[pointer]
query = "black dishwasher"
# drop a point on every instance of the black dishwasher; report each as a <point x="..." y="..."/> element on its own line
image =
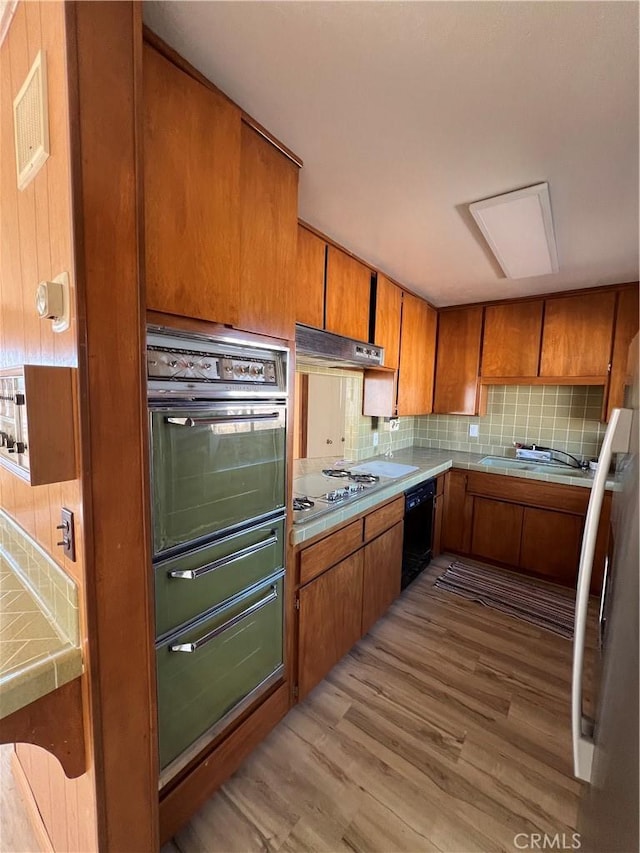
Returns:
<point x="418" y="530"/>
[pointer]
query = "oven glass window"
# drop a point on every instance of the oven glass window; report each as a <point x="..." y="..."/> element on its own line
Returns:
<point x="214" y="469"/>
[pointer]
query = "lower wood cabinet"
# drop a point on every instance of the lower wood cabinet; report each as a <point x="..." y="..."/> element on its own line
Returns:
<point x="348" y="580"/>
<point x="330" y="620"/>
<point x="551" y="543"/>
<point x="526" y="525"/>
<point x="497" y="527"/>
<point x="382" y="575"/>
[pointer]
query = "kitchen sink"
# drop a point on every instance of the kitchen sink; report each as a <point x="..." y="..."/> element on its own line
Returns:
<point x="536" y="467"/>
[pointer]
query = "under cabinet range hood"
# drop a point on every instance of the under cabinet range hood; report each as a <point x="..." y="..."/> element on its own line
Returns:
<point x="315" y="346"/>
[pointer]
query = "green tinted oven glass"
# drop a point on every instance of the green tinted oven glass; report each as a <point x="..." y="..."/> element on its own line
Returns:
<point x="204" y="672"/>
<point x="215" y="468"/>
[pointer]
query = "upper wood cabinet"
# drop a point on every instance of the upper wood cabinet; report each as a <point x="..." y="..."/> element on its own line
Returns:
<point x="511" y="339"/>
<point x="387" y="320"/>
<point x="577" y="335"/>
<point x="191" y="195"/>
<point x="309" y="278"/>
<point x="417" y="353"/>
<point x="348" y="294"/>
<point x="458" y="361"/>
<point x="625" y="330"/>
<point x="268" y="237"/>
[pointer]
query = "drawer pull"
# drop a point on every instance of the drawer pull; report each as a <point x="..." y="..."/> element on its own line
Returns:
<point x="202" y="641"/>
<point x="192" y="574"/>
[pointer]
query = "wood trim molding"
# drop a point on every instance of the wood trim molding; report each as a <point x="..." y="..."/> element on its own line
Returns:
<point x="543" y="380"/>
<point x="54" y="722"/>
<point x="33" y="812"/>
<point x="105" y="67"/>
<point x="173" y="56"/>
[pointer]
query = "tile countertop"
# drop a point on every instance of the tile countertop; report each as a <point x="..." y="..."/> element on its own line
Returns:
<point x="430" y="463"/>
<point x="39" y="649"/>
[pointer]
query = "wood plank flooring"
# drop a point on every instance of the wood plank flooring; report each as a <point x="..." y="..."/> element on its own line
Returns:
<point x="445" y="729"/>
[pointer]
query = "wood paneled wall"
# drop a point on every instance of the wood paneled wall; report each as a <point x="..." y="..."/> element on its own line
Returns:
<point x="36" y="244"/>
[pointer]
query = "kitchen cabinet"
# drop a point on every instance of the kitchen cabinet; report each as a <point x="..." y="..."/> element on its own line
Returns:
<point x="347" y="295"/>
<point x="387" y="320"/>
<point x="382" y="575"/>
<point x="577" y="335"/>
<point x="330" y="621"/>
<point x="268" y="237"/>
<point x="626" y="327"/>
<point x="526" y="525"/>
<point x="458" y="361"/>
<point x="347" y="580"/>
<point x="309" y="278"/>
<point x="192" y="144"/>
<point x="551" y="543"/>
<point x="417" y="353"/>
<point x="511" y="339"/>
<point x="496" y="531"/>
<point x="456" y="520"/>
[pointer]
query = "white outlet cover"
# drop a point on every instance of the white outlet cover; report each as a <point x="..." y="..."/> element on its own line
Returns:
<point x="375" y="439"/>
<point x="474" y="430"/>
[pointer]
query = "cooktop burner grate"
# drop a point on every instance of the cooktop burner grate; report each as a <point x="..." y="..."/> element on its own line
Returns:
<point x="300" y="504"/>
<point x="364" y="478"/>
<point x="342" y="473"/>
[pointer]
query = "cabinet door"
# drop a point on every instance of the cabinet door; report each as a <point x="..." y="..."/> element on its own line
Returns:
<point x="457" y="514"/>
<point x="626" y="329"/>
<point x="458" y="361"/>
<point x="511" y="339"/>
<point x="577" y="335"/>
<point x="348" y="294"/>
<point x="387" y="328"/>
<point x="417" y="354"/>
<point x="382" y="575"/>
<point x="268" y="237"/>
<point x="309" y="280"/>
<point x="191" y="195"/>
<point x="551" y="544"/>
<point x="330" y="620"/>
<point x="497" y="527"/>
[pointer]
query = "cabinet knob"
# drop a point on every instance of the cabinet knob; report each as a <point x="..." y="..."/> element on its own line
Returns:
<point x="329" y="441"/>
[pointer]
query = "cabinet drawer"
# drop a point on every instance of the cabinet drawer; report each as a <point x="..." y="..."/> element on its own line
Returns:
<point x="205" y="671"/>
<point x="194" y="583"/>
<point x="315" y="559"/>
<point x="384" y="518"/>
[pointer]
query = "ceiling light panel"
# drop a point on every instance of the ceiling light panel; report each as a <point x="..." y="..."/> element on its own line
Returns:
<point x="519" y="230"/>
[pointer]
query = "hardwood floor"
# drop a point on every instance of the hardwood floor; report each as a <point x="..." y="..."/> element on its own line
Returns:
<point x="445" y="729"/>
<point x="16" y="834"/>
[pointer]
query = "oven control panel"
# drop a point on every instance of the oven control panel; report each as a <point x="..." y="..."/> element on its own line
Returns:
<point x="212" y="367"/>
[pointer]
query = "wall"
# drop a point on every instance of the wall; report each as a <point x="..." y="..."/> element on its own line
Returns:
<point x="359" y="429"/>
<point x="564" y="417"/>
<point x="36" y="235"/>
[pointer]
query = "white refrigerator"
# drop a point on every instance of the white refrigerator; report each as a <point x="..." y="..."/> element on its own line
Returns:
<point x="605" y="750"/>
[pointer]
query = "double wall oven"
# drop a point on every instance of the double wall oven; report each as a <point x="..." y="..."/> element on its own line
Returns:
<point x="217" y="421"/>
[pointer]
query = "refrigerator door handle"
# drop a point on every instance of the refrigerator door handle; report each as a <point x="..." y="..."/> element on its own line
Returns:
<point x="616" y="440"/>
<point x="602" y="618"/>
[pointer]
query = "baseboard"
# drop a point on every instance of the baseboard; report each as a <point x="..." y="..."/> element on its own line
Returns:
<point x="33" y="812"/>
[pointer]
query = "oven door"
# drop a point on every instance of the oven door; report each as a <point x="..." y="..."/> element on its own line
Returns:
<point x="214" y="467"/>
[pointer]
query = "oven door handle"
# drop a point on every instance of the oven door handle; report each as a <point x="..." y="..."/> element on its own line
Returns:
<point x="202" y="641"/>
<point x="192" y="574"/>
<point x="211" y="420"/>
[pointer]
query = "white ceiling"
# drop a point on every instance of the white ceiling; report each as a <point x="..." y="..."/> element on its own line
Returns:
<point x="405" y="112"/>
